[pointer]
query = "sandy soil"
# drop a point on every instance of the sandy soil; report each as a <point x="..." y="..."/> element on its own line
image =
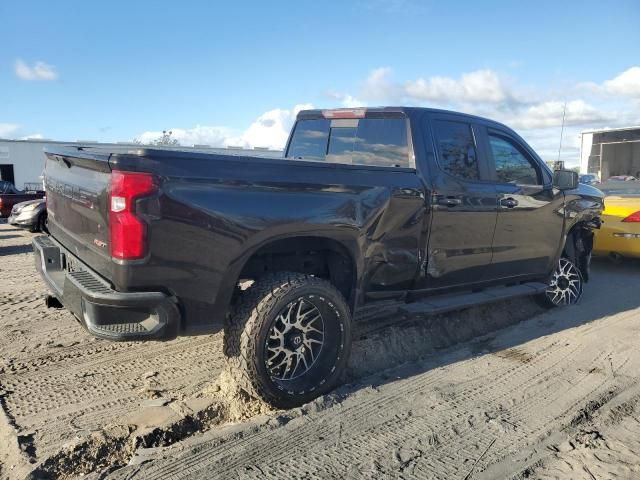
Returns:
<point x="555" y="396"/>
<point x="547" y="395"/>
<point x="59" y="384"/>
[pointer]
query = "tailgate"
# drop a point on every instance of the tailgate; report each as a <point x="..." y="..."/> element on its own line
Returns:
<point x="77" y="185"/>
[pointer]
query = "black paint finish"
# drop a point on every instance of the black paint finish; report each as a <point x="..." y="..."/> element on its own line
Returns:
<point x="405" y="230"/>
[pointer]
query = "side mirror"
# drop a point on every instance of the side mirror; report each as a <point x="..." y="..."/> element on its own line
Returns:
<point x="565" y="179"/>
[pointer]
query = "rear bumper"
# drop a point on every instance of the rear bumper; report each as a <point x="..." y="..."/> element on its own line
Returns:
<point x="105" y="312"/>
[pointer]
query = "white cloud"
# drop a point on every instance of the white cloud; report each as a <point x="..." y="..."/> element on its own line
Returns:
<point x="347" y="101"/>
<point x="627" y="83"/>
<point x="480" y="86"/>
<point x="33" y="136"/>
<point x="37" y="71"/>
<point x="378" y="85"/>
<point x="271" y="129"/>
<point x="8" y="130"/>
<point x="535" y="112"/>
<point x="197" y="135"/>
<point x="549" y="114"/>
<point x="351" y="102"/>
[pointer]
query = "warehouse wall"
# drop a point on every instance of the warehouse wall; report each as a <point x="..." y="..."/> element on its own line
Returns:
<point x="27" y="159"/>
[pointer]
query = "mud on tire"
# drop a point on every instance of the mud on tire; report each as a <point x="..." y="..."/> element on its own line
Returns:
<point x="289" y="339"/>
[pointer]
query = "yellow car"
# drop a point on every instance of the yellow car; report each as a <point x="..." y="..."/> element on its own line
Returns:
<point x="619" y="235"/>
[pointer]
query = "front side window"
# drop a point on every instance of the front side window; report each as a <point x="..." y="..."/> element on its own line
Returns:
<point x="456" y="149"/>
<point x="365" y="141"/>
<point x="512" y="165"/>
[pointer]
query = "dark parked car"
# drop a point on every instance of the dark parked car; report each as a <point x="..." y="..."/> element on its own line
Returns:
<point x="10" y="195"/>
<point x="431" y="209"/>
<point x="31" y="214"/>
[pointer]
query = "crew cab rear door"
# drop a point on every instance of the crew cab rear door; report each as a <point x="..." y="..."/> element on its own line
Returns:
<point x="530" y="218"/>
<point x="463" y="202"/>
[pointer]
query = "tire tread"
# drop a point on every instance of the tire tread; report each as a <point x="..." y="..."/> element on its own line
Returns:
<point x="242" y="331"/>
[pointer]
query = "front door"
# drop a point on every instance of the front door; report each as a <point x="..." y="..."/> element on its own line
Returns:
<point x="463" y="201"/>
<point x="530" y="212"/>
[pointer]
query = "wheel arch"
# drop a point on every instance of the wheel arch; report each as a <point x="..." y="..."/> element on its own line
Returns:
<point x="320" y="255"/>
<point x="578" y="246"/>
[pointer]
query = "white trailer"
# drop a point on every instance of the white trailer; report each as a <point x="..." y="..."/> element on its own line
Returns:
<point x="609" y="152"/>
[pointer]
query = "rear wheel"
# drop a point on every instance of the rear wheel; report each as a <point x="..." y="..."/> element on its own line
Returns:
<point x="565" y="287"/>
<point x="290" y="338"/>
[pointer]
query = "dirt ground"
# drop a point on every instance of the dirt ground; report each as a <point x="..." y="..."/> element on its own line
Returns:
<point x="503" y="391"/>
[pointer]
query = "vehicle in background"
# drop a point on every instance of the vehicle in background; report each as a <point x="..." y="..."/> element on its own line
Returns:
<point x="619" y="235"/>
<point x="31" y="214"/>
<point x="371" y="212"/>
<point x="10" y="195"/>
<point x="622" y="178"/>
<point x="589" y="179"/>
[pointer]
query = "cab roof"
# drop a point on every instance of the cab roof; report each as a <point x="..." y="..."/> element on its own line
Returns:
<point x="390" y="112"/>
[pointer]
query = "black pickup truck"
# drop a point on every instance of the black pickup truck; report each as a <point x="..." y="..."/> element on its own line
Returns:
<point x="433" y="209"/>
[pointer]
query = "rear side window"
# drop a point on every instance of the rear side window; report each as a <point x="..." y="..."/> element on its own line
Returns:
<point x="383" y="142"/>
<point x="367" y="141"/>
<point x="457" y="153"/>
<point x="512" y="164"/>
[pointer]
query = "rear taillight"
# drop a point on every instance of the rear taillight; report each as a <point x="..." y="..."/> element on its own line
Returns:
<point x="128" y="231"/>
<point x="634" y="217"/>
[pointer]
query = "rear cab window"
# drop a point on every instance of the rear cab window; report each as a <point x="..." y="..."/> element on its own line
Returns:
<point x="382" y="142"/>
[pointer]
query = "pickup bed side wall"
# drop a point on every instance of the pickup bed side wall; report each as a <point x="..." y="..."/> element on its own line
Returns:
<point x="210" y="219"/>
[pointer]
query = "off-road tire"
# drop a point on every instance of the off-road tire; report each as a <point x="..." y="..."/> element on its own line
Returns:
<point x="246" y="337"/>
<point x="547" y="300"/>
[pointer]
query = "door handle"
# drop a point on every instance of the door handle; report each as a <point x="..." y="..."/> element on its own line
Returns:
<point x="449" y="201"/>
<point x="509" y="202"/>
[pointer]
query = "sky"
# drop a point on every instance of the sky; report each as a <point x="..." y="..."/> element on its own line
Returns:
<point x="236" y="73"/>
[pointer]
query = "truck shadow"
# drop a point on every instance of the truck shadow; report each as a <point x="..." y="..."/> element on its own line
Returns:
<point x="418" y="345"/>
<point x="7" y="237"/>
<point x="15" y="249"/>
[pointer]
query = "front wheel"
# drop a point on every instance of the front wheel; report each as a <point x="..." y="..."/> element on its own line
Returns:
<point x="290" y="338"/>
<point x="565" y="287"/>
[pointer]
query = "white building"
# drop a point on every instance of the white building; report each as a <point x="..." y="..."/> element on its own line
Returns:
<point x="22" y="161"/>
<point x="612" y="151"/>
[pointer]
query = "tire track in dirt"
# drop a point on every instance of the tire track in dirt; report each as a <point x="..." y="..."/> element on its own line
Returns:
<point x="567" y="369"/>
<point x="364" y="410"/>
<point x="56" y="380"/>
